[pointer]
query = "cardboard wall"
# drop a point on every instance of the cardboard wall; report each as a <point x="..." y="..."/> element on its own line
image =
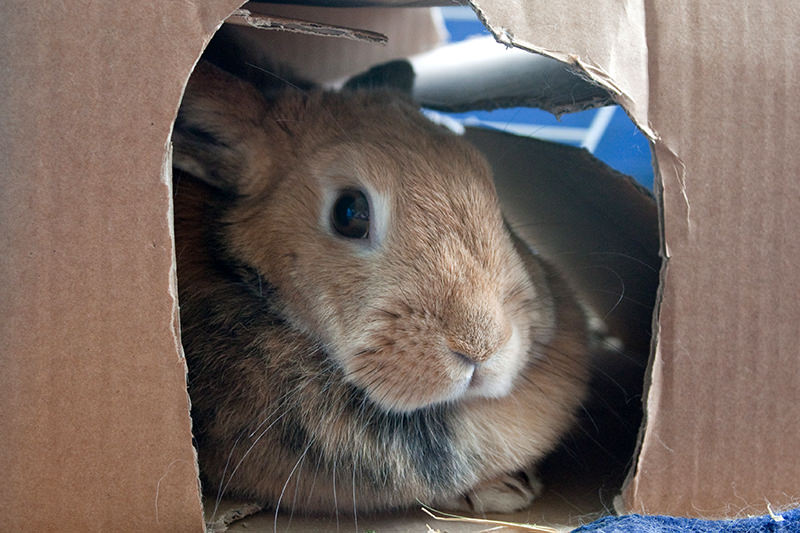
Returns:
<point x="606" y="39"/>
<point x="724" y="403"/>
<point x="94" y="421"/>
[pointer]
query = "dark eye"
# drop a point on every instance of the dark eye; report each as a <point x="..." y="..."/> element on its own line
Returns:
<point x="350" y="215"/>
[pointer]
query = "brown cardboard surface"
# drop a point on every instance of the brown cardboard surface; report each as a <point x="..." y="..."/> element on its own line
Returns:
<point x="553" y="511"/>
<point x="94" y="425"/>
<point x="245" y="17"/>
<point x="724" y="401"/>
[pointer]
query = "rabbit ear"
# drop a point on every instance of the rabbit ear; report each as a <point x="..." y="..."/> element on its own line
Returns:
<point x="397" y="74"/>
<point x="220" y="116"/>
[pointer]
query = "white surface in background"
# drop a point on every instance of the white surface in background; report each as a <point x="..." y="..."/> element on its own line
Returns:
<point x="587" y="138"/>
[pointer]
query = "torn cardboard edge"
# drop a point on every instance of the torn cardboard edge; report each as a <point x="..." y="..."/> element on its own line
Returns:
<point x="512" y="75"/>
<point x="634" y="99"/>
<point x="245" y="17"/>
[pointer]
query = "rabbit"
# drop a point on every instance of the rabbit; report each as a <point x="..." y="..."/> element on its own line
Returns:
<point x="362" y="329"/>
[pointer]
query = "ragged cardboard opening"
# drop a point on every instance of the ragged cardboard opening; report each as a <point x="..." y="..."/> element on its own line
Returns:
<point x="598" y="227"/>
<point x="621" y="48"/>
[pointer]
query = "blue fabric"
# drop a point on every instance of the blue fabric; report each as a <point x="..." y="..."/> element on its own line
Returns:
<point x="670" y="524"/>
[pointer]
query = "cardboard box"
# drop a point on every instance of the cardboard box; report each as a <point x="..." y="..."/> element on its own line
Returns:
<point x="94" y="423"/>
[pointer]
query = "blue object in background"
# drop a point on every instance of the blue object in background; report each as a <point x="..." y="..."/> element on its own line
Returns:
<point x="606" y="132"/>
<point x="788" y="522"/>
<point x="462" y="23"/>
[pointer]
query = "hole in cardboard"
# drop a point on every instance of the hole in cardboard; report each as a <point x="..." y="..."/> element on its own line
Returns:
<point x="597" y="226"/>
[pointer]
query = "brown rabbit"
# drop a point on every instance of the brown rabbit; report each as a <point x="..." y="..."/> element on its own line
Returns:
<point x="362" y="329"/>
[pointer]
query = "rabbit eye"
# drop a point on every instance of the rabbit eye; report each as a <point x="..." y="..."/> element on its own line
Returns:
<point x="350" y="215"/>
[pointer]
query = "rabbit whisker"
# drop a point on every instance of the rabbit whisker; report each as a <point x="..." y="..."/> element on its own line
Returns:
<point x="250" y="449"/>
<point x="335" y="500"/>
<point x="355" y="507"/>
<point x="283" y="490"/>
<point x="220" y="489"/>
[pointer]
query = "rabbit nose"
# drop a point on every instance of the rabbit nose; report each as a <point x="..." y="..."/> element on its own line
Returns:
<point x="477" y="349"/>
<point x="475" y="326"/>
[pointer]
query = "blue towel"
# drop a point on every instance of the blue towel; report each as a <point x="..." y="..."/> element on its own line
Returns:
<point x="788" y="522"/>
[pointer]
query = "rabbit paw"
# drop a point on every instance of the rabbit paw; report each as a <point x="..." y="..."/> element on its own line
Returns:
<point x="504" y="494"/>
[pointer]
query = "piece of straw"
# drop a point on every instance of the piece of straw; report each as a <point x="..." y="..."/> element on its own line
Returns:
<point x="498" y="524"/>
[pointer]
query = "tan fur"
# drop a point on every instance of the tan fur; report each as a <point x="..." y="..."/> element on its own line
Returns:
<point x="359" y="349"/>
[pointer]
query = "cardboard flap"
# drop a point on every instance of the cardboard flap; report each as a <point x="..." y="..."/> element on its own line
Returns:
<point x="245" y="17"/>
<point x="606" y="40"/>
<point x="320" y="59"/>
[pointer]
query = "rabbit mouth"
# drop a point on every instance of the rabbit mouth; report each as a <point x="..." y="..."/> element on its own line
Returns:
<point x="495" y="377"/>
<point x="440" y="376"/>
<point x="483" y="380"/>
<point x="488" y="384"/>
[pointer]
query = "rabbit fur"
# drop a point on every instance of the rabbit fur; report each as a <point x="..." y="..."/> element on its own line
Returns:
<point x="431" y="361"/>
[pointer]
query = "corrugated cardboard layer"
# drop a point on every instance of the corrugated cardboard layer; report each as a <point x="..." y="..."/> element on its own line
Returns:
<point x="94" y="423"/>
<point x="724" y="403"/>
<point x="245" y="17"/>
